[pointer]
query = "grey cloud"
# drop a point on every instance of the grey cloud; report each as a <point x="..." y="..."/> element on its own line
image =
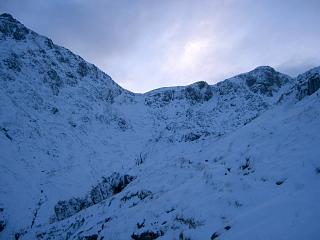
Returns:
<point x="294" y="67"/>
<point x="146" y="44"/>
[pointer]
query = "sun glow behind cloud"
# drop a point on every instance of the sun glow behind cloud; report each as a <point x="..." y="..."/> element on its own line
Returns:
<point x="188" y="57"/>
<point x="193" y="51"/>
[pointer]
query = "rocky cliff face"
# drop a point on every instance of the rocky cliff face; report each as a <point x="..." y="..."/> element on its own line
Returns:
<point x="308" y="83"/>
<point x="83" y="158"/>
<point x="265" y="80"/>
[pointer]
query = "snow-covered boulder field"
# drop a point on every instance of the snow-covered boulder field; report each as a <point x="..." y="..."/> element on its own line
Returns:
<point x="83" y="158"/>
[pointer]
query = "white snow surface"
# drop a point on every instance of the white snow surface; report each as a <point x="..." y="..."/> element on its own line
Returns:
<point x="236" y="160"/>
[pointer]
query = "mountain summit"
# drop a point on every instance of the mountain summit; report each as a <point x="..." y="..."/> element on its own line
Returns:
<point x="10" y="27"/>
<point x="83" y="158"/>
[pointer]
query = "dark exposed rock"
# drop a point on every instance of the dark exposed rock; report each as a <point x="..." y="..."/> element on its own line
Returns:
<point x="308" y="84"/>
<point x="61" y="58"/>
<point x="148" y="235"/>
<point x="226" y="87"/>
<point x="122" y="124"/>
<point x="121" y="184"/>
<point x="167" y="96"/>
<point x="227" y="227"/>
<point x="141" y="159"/>
<point x="264" y="80"/>
<point x="49" y="43"/>
<point x="140" y="195"/>
<point x="191" y="137"/>
<point x="140" y="225"/>
<point x="280" y="182"/>
<point x="198" y="92"/>
<point x="2" y="225"/>
<point x="249" y="120"/>
<point x="8" y="17"/>
<point x="71" y="80"/>
<point x="91" y="237"/>
<point x="109" y="95"/>
<point x="54" y="110"/>
<point x="160" y="98"/>
<point x="171" y="210"/>
<point x="65" y="209"/>
<point x="313" y="84"/>
<point x="109" y="186"/>
<point x="245" y="165"/>
<point x="214" y="236"/>
<point x="20" y="33"/>
<point x="17" y="236"/>
<point x="3" y="220"/>
<point x="238" y="204"/>
<point x="9" y="27"/>
<point x="5" y="132"/>
<point x="54" y="81"/>
<point x="83" y="69"/>
<point x="13" y="62"/>
<point x="190" y="222"/>
<point x="72" y="123"/>
<point x="106" y="188"/>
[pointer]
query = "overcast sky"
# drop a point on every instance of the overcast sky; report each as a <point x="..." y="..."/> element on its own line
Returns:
<point x="147" y="44"/>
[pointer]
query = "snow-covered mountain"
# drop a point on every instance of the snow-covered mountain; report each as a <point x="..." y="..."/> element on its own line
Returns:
<point x="83" y="158"/>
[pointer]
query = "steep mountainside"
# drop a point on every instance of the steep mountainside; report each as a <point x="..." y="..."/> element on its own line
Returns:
<point x="83" y="158"/>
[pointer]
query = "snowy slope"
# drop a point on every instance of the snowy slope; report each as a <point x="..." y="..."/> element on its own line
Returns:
<point x="83" y="158"/>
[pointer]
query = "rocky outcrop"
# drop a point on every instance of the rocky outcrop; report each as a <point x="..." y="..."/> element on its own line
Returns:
<point x="67" y="208"/>
<point x="198" y="92"/>
<point x="10" y="27"/>
<point x="148" y="235"/>
<point x="109" y="186"/>
<point x="160" y="98"/>
<point x="308" y="83"/>
<point x="106" y="188"/>
<point x="2" y="225"/>
<point x="264" y="80"/>
<point x="3" y="222"/>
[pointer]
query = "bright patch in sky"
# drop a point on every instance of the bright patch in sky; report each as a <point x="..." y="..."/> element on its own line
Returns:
<point x="193" y="51"/>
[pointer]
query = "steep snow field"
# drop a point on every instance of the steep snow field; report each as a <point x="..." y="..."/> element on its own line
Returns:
<point x="83" y="158"/>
